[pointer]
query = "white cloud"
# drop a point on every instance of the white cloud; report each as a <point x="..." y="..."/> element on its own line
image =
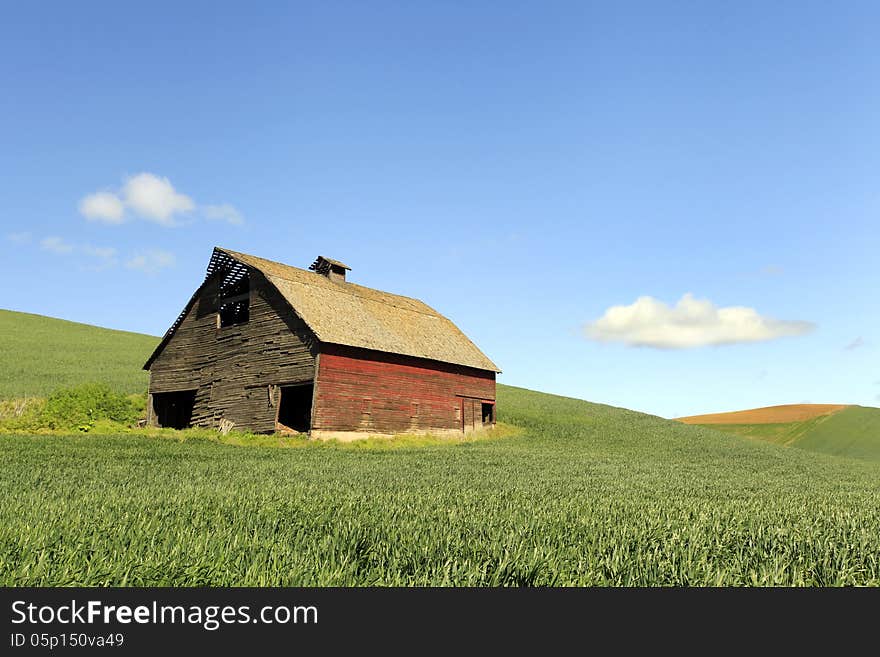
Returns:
<point x="690" y="323"/>
<point x="855" y="344"/>
<point x="105" y="207"/>
<point x="155" y="198"/>
<point x="223" y="212"/>
<point x="55" y="245"/>
<point x="19" y="238"/>
<point x="151" y="261"/>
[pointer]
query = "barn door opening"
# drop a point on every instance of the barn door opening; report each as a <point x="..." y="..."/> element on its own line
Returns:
<point x="174" y="409"/>
<point x="295" y="408"/>
<point x="488" y="412"/>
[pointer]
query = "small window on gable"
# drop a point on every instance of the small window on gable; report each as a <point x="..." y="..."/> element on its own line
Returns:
<point x="234" y="300"/>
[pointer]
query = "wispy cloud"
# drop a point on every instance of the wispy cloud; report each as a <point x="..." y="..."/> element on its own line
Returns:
<point x="104" y="256"/>
<point x="223" y="212"/>
<point x="152" y="261"/>
<point x="690" y="323"/>
<point x="855" y="344"/>
<point x="763" y="272"/>
<point x="55" y="244"/>
<point x="19" y="238"/>
<point x="152" y="198"/>
<point x="97" y="257"/>
<point x="103" y="252"/>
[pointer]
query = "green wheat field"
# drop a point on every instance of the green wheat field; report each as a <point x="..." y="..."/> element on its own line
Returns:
<point x="567" y="493"/>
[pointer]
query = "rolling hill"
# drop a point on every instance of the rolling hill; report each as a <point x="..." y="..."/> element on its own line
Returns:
<point x="581" y="494"/>
<point x="852" y="431"/>
<point x="40" y="354"/>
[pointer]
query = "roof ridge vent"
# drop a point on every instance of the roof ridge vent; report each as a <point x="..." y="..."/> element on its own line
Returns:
<point x="332" y="269"/>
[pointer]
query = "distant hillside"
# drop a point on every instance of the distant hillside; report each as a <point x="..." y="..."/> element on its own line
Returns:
<point x="40" y="354"/>
<point x="767" y="414"/>
<point x="852" y="431"/>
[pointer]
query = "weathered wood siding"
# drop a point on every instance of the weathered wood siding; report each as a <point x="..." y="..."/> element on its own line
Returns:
<point x="232" y="368"/>
<point x="363" y="390"/>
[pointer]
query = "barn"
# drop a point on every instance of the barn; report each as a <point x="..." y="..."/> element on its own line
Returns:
<point x="264" y="347"/>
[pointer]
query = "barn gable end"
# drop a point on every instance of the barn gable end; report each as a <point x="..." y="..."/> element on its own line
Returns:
<point x="236" y="371"/>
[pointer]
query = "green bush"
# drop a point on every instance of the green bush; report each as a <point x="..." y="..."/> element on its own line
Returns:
<point x="83" y="405"/>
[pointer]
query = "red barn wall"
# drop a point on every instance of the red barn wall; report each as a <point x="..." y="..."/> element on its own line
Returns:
<point x="363" y="390"/>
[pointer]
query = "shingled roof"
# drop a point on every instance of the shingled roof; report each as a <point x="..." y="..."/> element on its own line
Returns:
<point x="352" y="315"/>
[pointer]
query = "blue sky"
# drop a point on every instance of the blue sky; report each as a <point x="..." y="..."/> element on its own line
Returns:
<point x="521" y="167"/>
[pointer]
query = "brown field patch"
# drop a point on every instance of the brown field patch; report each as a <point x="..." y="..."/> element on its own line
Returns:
<point x="766" y="415"/>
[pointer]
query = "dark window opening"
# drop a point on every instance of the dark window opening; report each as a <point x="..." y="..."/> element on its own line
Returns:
<point x="174" y="409"/>
<point x="488" y="413"/>
<point x="234" y="301"/>
<point x="234" y="312"/>
<point x="295" y="408"/>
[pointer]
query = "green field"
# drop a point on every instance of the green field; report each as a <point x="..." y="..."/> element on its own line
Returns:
<point x="853" y="432"/>
<point x="40" y="354"/>
<point x="584" y="495"/>
<point x="575" y="494"/>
